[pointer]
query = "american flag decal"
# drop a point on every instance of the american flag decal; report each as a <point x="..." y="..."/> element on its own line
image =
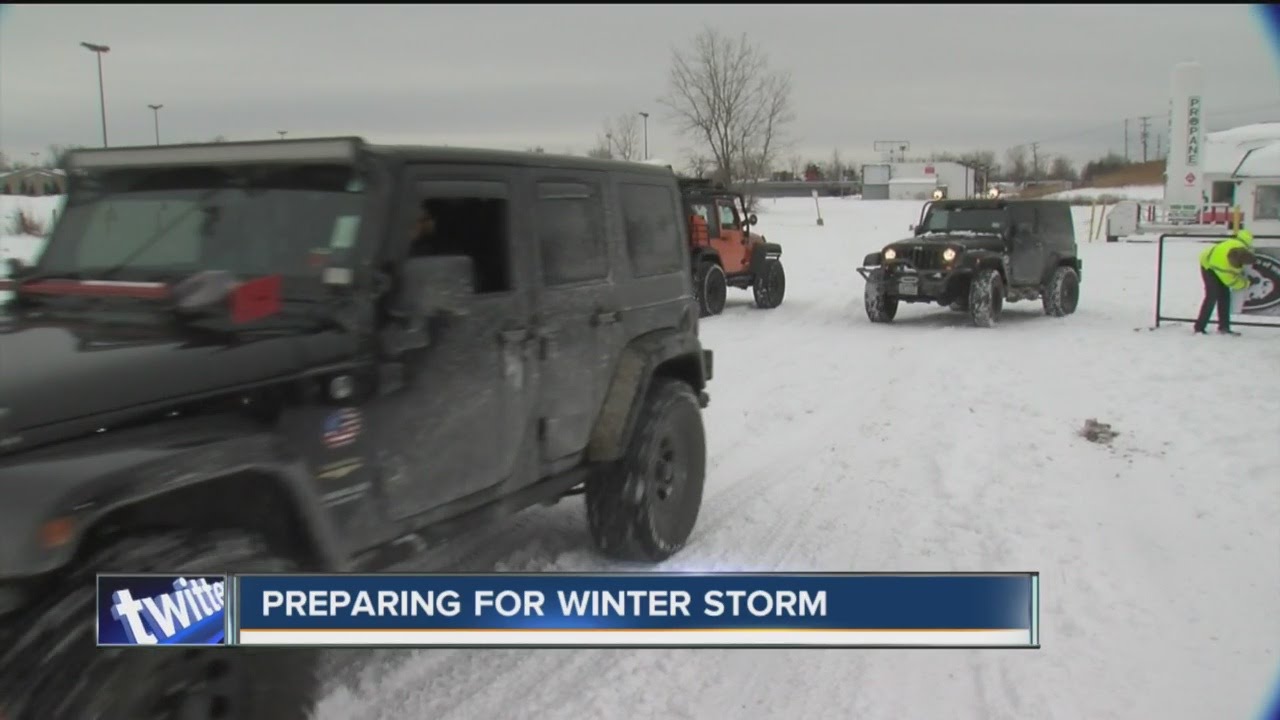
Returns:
<point x="342" y="427"/>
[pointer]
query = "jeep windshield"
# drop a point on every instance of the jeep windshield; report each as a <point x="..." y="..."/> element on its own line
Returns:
<point x="163" y="225"/>
<point x="963" y="220"/>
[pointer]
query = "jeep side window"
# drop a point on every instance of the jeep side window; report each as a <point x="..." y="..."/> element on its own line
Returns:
<point x="728" y="216"/>
<point x="1022" y="217"/>
<point x="654" y="239"/>
<point x="570" y="231"/>
<point x="465" y="218"/>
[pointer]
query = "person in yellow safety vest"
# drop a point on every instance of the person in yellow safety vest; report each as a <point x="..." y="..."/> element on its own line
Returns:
<point x="1222" y="270"/>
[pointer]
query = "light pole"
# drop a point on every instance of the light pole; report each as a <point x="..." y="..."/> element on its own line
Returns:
<point x="155" y="110"/>
<point x="645" y="115"/>
<point x="609" y="137"/>
<point x="102" y="96"/>
<point x="282" y="133"/>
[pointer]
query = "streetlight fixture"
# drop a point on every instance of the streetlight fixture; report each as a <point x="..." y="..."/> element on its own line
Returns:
<point x="155" y="110"/>
<point x="282" y="133"/>
<point x="645" y="115"/>
<point x="102" y="96"/>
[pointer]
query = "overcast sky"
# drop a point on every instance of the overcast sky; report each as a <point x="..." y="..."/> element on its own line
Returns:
<point x="940" y="77"/>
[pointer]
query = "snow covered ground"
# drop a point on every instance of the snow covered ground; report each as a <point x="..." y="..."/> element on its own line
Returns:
<point x="1141" y="193"/>
<point x="929" y="444"/>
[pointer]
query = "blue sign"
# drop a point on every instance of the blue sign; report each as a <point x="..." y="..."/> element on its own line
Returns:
<point x="641" y="609"/>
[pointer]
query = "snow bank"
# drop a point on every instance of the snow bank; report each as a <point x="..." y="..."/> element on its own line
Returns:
<point x="1141" y="193"/>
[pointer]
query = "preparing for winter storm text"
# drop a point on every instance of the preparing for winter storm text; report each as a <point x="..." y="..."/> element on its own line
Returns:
<point x="534" y="603"/>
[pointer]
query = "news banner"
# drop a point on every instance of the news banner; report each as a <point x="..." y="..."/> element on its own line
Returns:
<point x="870" y="610"/>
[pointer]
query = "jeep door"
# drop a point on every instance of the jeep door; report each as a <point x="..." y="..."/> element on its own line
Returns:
<point x="453" y="413"/>
<point x="1027" y="252"/>
<point x="578" y="334"/>
<point x="732" y="241"/>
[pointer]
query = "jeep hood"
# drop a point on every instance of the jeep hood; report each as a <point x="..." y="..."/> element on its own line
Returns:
<point x="55" y="371"/>
<point x="970" y="241"/>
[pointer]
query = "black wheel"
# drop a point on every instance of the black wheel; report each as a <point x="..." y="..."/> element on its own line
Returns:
<point x="645" y="507"/>
<point x="1062" y="293"/>
<point x="881" y="308"/>
<point x="770" y="286"/>
<point x="710" y="287"/>
<point x="51" y="669"/>
<point x="986" y="298"/>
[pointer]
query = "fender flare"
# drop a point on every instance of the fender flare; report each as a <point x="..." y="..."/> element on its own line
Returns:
<point x="119" y="482"/>
<point x="671" y="352"/>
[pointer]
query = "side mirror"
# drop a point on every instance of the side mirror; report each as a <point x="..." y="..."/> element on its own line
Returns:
<point x="436" y="285"/>
<point x="752" y="219"/>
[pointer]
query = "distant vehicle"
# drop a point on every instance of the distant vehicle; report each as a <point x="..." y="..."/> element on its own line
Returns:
<point x="323" y="355"/>
<point x="726" y="253"/>
<point x="975" y="255"/>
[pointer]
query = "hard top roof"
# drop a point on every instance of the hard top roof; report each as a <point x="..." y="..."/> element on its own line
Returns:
<point x="334" y="149"/>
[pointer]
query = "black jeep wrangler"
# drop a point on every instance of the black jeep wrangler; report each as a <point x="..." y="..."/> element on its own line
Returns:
<point x="323" y="355"/>
<point x="974" y="255"/>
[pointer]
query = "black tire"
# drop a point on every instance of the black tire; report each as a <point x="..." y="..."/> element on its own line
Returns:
<point x="1062" y="293"/>
<point x="986" y="298"/>
<point x="646" y="506"/>
<point x="769" y="286"/>
<point x="711" y="288"/>
<point x="51" y="669"/>
<point x="881" y="308"/>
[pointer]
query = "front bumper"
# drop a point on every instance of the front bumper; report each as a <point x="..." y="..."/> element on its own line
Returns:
<point x="908" y="283"/>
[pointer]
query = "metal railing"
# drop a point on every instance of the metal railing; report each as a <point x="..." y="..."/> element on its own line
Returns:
<point x="1200" y="239"/>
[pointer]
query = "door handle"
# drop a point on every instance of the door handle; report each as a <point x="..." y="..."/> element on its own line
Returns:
<point x="604" y="317"/>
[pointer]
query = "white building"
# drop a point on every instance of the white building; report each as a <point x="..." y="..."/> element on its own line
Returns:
<point x="1258" y="178"/>
<point x="1223" y="152"/>
<point x="910" y="188"/>
<point x="889" y="181"/>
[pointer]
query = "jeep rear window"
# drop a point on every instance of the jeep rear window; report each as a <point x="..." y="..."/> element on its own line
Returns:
<point x="652" y="217"/>
<point x="163" y="225"/>
<point x="965" y="220"/>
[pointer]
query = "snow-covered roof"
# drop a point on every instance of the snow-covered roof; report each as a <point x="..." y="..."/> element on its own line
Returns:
<point x="1223" y="150"/>
<point x="1261" y="162"/>
<point x="34" y="171"/>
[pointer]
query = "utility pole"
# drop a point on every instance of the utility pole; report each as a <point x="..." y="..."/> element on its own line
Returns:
<point x="282" y="133"/>
<point x="645" y="115"/>
<point x="155" y="110"/>
<point x="102" y="96"/>
<point x="1035" y="160"/>
<point x="1126" y="139"/>
<point x="1144" y="133"/>
<point x="1159" y="148"/>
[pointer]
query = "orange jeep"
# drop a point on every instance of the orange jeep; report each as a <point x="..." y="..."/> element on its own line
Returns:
<point x="725" y="252"/>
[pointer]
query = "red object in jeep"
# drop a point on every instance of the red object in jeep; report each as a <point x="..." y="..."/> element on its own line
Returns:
<point x="255" y="299"/>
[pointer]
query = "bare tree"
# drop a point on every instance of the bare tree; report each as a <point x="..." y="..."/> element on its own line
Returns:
<point x="622" y="136"/>
<point x="1062" y="169"/>
<point x="725" y="98"/>
<point x="600" y="152"/>
<point x="837" y="166"/>
<point x="1017" y="168"/>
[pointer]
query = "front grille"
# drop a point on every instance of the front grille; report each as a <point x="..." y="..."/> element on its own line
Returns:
<point x="923" y="258"/>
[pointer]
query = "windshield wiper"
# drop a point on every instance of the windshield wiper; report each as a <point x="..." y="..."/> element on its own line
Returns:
<point x="147" y="244"/>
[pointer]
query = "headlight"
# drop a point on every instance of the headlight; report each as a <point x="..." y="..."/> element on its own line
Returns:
<point x="937" y="194"/>
<point x="949" y="254"/>
<point x="993" y="193"/>
<point x="890" y="254"/>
